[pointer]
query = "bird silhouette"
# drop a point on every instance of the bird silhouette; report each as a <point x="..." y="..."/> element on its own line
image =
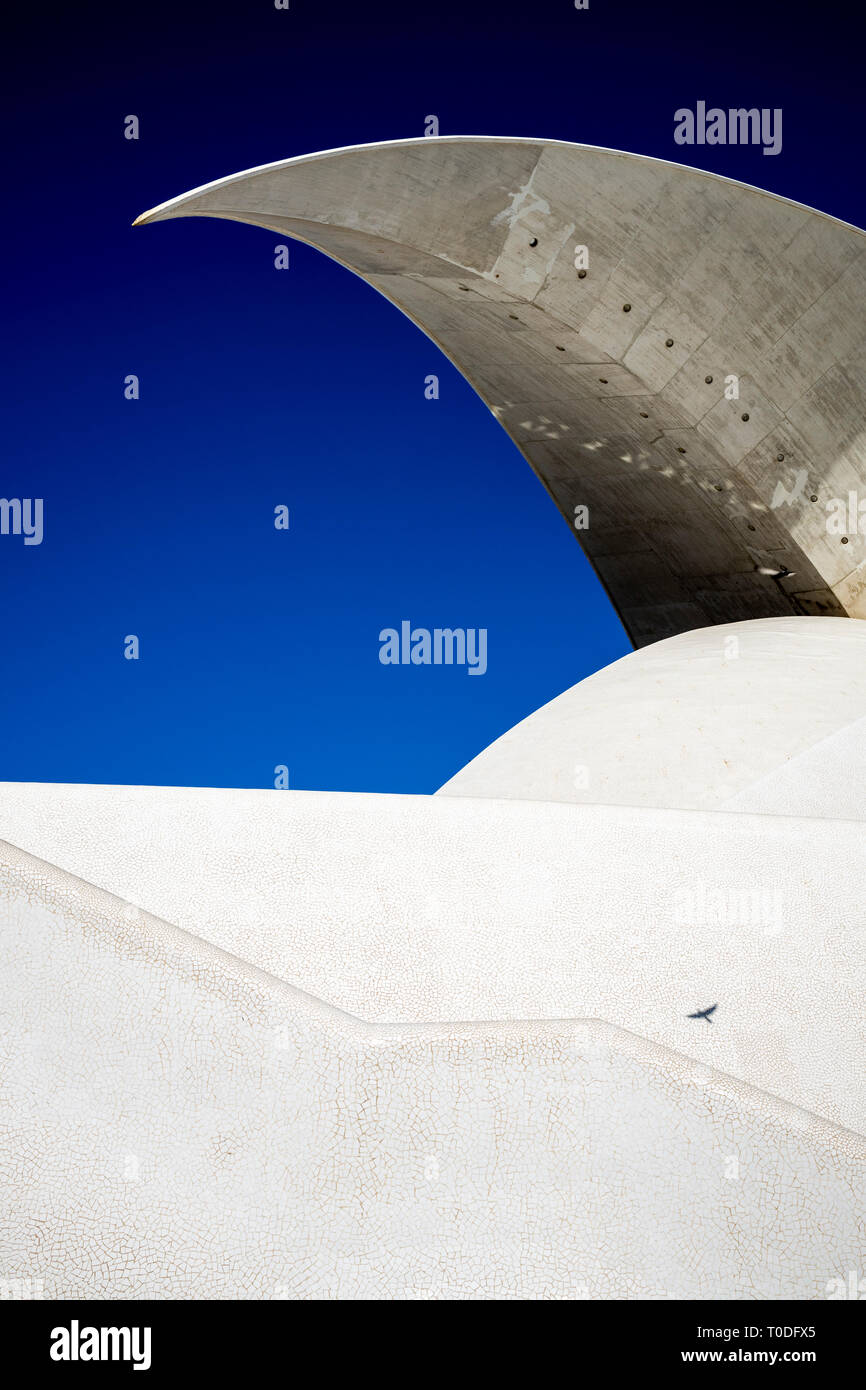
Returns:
<point x="704" y="1013"/>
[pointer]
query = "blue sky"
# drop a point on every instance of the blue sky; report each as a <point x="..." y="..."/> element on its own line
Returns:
<point x="305" y="387"/>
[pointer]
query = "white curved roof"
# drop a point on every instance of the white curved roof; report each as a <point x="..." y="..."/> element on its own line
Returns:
<point x="616" y="382"/>
<point x="765" y="716"/>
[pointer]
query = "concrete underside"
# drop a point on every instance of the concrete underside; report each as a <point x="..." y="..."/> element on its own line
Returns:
<point x="622" y="410"/>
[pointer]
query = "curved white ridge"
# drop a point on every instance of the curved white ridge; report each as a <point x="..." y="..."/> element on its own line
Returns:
<point x="171" y="205"/>
<point x="702" y="720"/>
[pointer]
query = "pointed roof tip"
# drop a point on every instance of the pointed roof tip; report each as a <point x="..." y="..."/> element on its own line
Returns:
<point x="162" y="212"/>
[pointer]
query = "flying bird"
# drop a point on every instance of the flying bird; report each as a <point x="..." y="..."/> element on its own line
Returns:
<point x="704" y="1013"/>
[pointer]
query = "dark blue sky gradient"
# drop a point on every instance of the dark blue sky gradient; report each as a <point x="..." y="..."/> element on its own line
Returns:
<point x="305" y="387"/>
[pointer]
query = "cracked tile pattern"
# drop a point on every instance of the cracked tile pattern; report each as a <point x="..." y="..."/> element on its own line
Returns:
<point x="445" y="909"/>
<point x="177" y="1123"/>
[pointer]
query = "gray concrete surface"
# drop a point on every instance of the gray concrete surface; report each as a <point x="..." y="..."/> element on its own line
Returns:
<point x="702" y="509"/>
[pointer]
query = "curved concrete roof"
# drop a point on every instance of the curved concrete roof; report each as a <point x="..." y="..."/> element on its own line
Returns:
<point x="702" y="509"/>
<point x="766" y="716"/>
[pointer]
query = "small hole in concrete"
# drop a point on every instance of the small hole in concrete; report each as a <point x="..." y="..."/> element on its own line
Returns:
<point x="514" y="316"/>
<point x="603" y="380"/>
<point x="559" y="349"/>
<point x="680" y="449"/>
<point x="463" y="287"/>
<point x="814" y="497"/>
<point x="719" y="487"/>
<point x="751" y="527"/>
<point x="533" y="241"/>
<point x="745" y="417"/>
<point x="844" y="540"/>
<point x="581" y="275"/>
<point x="708" y="380"/>
<point x="780" y="458"/>
<point x="643" y="415"/>
<point x="669" y="342"/>
<point x="626" y="308"/>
